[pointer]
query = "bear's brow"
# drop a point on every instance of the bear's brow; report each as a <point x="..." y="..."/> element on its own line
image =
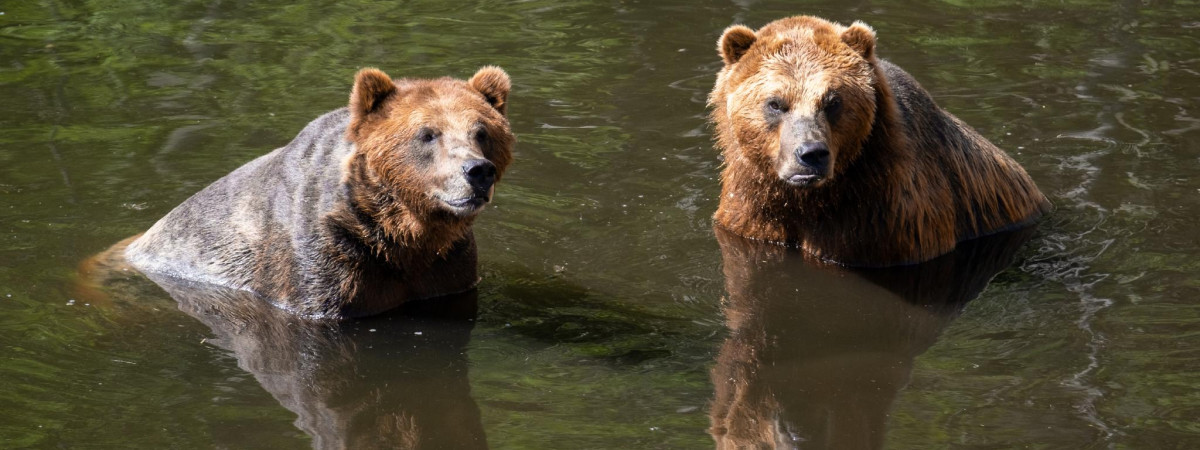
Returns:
<point x="802" y="70"/>
<point x="421" y="93"/>
<point x="443" y="116"/>
<point x="427" y="100"/>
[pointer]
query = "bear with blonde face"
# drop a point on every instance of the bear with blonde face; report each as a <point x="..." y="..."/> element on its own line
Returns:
<point x="832" y="149"/>
<point x="370" y="206"/>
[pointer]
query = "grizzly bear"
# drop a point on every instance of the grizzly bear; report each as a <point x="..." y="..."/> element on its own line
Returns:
<point x="831" y="149"/>
<point x="369" y="207"/>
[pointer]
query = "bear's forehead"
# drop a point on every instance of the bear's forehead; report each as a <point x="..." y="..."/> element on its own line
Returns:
<point x="441" y="104"/>
<point x="824" y="29"/>
<point x="811" y="65"/>
<point x="807" y="55"/>
<point x="439" y="95"/>
<point x="788" y="83"/>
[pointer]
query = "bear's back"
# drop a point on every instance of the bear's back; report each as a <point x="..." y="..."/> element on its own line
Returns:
<point x="990" y="192"/>
<point x="269" y="208"/>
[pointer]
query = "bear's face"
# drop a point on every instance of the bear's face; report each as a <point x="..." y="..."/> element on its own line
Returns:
<point x="439" y="145"/>
<point x="797" y="97"/>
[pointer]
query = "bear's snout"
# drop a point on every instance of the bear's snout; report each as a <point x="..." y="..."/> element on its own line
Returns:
<point x="814" y="155"/>
<point x="481" y="175"/>
<point x="808" y="164"/>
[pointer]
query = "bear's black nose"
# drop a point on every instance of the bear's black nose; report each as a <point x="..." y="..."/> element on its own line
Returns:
<point x="481" y="173"/>
<point x="814" y="154"/>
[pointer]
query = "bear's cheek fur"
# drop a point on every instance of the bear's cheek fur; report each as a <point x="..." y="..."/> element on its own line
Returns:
<point x="393" y="154"/>
<point x="850" y="129"/>
<point x="758" y="140"/>
<point x="756" y="135"/>
<point x="405" y="170"/>
<point x="498" y="148"/>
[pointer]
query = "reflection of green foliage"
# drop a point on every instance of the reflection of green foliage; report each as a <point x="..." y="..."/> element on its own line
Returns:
<point x="1047" y="71"/>
<point x="84" y="133"/>
<point x="959" y="41"/>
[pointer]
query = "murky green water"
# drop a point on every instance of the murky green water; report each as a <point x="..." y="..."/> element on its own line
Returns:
<point x="605" y="318"/>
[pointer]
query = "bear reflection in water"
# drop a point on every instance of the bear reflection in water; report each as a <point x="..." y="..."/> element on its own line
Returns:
<point x="395" y="381"/>
<point x="817" y="353"/>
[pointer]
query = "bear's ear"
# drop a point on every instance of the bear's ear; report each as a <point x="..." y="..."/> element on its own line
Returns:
<point x="371" y="88"/>
<point x="494" y="84"/>
<point x="734" y="43"/>
<point x="860" y="37"/>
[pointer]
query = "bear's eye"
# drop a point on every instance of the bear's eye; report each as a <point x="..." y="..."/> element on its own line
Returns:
<point x="832" y="105"/>
<point x="426" y="135"/>
<point x="776" y="106"/>
<point x="481" y="136"/>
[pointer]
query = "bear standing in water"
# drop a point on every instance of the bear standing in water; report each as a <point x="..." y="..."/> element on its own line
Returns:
<point x="369" y="207"/>
<point x="841" y="153"/>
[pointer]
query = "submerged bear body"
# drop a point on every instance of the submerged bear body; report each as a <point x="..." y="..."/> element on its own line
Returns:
<point x="843" y="154"/>
<point x="369" y="207"/>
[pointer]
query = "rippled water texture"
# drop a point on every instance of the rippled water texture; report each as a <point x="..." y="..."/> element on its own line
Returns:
<point x="609" y="315"/>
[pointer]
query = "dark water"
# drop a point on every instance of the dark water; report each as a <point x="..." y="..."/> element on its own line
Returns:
<point x="605" y="318"/>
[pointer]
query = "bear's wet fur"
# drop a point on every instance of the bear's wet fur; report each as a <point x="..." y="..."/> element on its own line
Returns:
<point x="832" y="149"/>
<point x="370" y="206"/>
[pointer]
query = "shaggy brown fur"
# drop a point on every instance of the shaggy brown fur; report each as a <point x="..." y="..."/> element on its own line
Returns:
<point x="369" y="207"/>
<point x="904" y="181"/>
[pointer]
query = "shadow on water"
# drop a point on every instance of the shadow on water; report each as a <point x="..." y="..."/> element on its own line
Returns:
<point x="392" y="381"/>
<point x="817" y="353"/>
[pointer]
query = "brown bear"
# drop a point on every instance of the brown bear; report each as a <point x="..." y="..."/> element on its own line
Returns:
<point x="369" y="207"/>
<point x="843" y="154"/>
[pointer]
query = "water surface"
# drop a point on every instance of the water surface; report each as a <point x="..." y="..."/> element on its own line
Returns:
<point x="606" y="316"/>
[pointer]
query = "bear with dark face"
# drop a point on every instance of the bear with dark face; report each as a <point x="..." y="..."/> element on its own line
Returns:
<point x="369" y="207"/>
<point x="843" y="154"/>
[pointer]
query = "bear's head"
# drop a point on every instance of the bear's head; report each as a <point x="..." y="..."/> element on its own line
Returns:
<point x="437" y="146"/>
<point x="797" y="98"/>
